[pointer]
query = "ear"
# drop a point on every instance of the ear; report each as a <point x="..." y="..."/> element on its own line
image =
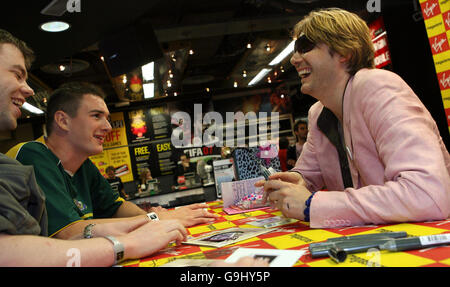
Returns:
<point x="344" y="59"/>
<point x="62" y="120"/>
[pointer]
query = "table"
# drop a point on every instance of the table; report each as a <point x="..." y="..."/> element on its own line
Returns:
<point x="298" y="236"/>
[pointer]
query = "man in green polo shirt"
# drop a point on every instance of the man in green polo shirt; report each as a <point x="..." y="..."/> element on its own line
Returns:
<point x="23" y="215"/>
<point x="76" y="193"/>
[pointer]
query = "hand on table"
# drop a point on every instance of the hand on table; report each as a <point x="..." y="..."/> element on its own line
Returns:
<point x="287" y="192"/>
<point x="152" y="237"/>
<point x="190" y="215"/>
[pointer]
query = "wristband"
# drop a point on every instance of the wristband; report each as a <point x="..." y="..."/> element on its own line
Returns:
<point x="307" y="205"/>
<point x="152" y="216"/>
<point x="119" y="250"/>
<point x="87" y="233"/>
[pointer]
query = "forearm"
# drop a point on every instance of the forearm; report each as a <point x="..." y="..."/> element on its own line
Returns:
<point x="28" y="250"/>
<point x="106" y="226"/>
<point x="128" y="209"/>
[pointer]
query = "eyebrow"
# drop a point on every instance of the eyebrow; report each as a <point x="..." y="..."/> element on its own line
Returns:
<point x="99" y="112"/>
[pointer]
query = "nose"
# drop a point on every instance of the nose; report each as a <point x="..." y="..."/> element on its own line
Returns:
<point x="295" y="58"/>
<point x="107" y="126"/>
<point x="26" y="90"/>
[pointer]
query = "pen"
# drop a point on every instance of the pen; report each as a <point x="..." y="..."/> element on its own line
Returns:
<point x="399" y="234"/>
<point x="418" y="242"/>
<point x="266" y="172"/>
<point x="350" y="246"/>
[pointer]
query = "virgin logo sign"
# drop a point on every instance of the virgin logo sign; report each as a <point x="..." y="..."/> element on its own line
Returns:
<point x="430" y="8"/>
<point x="439" y="43"/>
<point x="444" y="80"/>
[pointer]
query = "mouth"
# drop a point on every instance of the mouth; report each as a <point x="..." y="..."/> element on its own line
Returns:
<point x="18" y="102"/>
<point x="304" y="72"/>
<point x="100" y="138"/>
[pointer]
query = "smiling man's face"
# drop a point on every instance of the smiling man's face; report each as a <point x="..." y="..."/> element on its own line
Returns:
<point x="13" y="85"/>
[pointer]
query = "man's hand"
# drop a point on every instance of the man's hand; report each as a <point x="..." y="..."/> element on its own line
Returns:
<point x="152" y="237"/>
<point x="287" y="192"/>
<point x="190" y="215"/>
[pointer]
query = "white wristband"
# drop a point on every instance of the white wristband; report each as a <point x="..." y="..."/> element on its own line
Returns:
<point x="152" y="216"/>
<point x="118" y="247"/>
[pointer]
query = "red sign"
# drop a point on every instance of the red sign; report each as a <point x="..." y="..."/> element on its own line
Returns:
<point x="439" y="43"/>
<point x="379" y="39"/>
<point x="444" y="80"/>
<point x="446" y="18"/>
<point x="430" y="9"/>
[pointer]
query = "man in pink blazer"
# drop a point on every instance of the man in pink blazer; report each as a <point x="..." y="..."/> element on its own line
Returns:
<point x="373" y="154"/>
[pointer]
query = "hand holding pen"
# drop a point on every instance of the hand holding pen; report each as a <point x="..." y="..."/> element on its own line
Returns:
<point x="286" y="191"/>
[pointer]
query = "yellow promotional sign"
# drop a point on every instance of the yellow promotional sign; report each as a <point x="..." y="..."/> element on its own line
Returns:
<point x="117" y="136"/>
<point x="119" y="158"/>
<point x="436" y="15"/>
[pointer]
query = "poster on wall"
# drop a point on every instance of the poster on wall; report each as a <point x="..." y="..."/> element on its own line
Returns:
<point x="160" y="123"/>
<point x="148" y="125"/>
<point x="139" y="126"/>
<point x="379" y="39"/>
<point x="119" y="158"/>
<point x="117" y="136"/>
<point x="142" y="156"/>
<point x="164" y="159"/>
<point x="436" y="15"/>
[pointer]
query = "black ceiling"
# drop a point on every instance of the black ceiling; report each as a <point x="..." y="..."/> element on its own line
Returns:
<point x="217" y="31"/>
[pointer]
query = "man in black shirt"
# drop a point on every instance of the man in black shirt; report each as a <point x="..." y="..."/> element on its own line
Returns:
<point x="115" y="181"/>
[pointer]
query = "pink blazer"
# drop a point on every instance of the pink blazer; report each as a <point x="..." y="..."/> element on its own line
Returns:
<point x="399" y="164"/>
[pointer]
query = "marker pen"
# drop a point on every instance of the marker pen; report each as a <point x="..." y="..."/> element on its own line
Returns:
<point x="418" y="242"/>
<point x="399" y="234"/>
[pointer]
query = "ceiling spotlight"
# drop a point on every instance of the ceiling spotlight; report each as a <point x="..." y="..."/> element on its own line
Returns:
<point x="235" y="84"/>
<point x="175" y="94"/>
<point x="267" y="47"/>
<point x="191" y="52"/>
<point x="54" y="26"/>
<point x="102" y="58"/>
<point x="207" y="90"/>
<point x="244" y="73"/>
<point x="62" y="68"/>
<point x="249" y="45"/>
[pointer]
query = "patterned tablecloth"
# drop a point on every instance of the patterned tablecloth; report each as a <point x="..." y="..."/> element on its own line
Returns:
<point x="298" y="236"/>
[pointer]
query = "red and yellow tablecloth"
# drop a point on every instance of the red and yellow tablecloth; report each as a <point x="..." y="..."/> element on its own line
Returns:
<point x="298" y="236"/>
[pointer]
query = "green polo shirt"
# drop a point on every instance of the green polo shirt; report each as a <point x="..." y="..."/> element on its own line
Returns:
<point x="69" y="198"/>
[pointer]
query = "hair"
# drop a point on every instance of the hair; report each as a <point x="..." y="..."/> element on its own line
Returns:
<point x="110" y="168"/>
<point x="283" y="142"/>
<point x="67" y="98"/>
<point x="143" y="173"/>
<point x="299" y="122"/>
<point x="343" y="32"/>
<point x="27" y="52"/>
